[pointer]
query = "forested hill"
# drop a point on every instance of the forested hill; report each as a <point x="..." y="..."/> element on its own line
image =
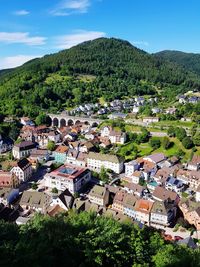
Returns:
<point x="111" y="68"/>
<point x="189" y="61"/>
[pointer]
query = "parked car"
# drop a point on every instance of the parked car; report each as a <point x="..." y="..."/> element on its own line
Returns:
<point x="176" y="238"/>
<point x="168" y="237"/>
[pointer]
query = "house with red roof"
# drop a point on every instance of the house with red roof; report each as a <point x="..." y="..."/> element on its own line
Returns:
<point x="69" y="177"/>
<point x="8" y="179"/>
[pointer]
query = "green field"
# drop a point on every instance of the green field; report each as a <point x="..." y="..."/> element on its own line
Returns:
<point x="187" y="124"/>
<point x="145" y="149"/>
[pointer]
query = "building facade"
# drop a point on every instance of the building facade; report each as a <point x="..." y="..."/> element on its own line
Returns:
<point x="69" y="177"/>
<point x="96" y="161"/>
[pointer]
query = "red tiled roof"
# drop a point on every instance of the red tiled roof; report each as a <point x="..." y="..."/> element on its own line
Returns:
<point x="143" y="205"/>
<point x="5" y="179"/>
<point x="61" y="149"/>
<point x="75" y="171"/>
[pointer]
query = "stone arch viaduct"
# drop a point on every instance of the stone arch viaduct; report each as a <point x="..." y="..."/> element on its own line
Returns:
<point x="62" y="120"/>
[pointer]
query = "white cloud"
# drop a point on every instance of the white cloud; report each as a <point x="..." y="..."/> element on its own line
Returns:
<point x="22" y="12"/>
<point x="142" y="43"/>
<point x="69" y="7"/>
<point x="15" y="61"/>
<point x="21" y="37"/>
<point x="67" y="41"/>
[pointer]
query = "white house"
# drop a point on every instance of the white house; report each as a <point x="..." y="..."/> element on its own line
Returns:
<point x="105" y="131"/>
<point x="129" y="205"/>
<point x="162" y="213"/>
<point x="136" y="176"/>
<point x="131" y="167"/>
<point x="64" y="200"/>
<point x="97" y="160"/>
<point x="26" y="121"/>
<point x="197" y="197"/>
<point x="136" y="109"/>
<point x="115" y="137"/>
<point x="142" y="210"/>
<point x="23" y="149"/>
<point x="99" y="195"/>
<point x="54" y="136"/>
<point x="194" y="164"/>
<point x="22" y="169"/>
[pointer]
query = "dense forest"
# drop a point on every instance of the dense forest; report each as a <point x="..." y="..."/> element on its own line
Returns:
<point x="85" y="240"/>
<point x="190" y="61"/>
<point x="109" y="68"/>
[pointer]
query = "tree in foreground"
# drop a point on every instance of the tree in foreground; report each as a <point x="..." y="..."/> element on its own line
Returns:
<point x="88" y="240"/>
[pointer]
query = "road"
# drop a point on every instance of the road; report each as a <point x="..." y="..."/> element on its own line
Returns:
<point x="144" y="124"/>
<point x="182" y="233"/>
<point x="38" y="175"/>
<point x="157" y="134"/>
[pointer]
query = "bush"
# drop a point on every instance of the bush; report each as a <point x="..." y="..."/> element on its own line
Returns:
<point x="196" y="139"/>
<point x="34" y="186"/>
<point x="51" y="145"/>
<point x="165" y="142"/>
<point x="187" y="142"/>
<point x="180" y="153"/>
<point x="171" y="131"/>
<point x="54" y="190"/>
<point x="180" y="133"/>
<point x="155" y="143"/>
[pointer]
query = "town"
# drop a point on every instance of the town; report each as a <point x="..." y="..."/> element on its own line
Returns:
<point x="76" y="163"/>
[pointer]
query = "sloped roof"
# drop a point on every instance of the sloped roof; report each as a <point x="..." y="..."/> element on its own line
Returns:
<point x="98" y="191"/>
<point x="156" y="158"/>
<point x="129" y="201"/>
<point x="143" y="205"/>
<point x="164" y="194"/>
<point x="61" y="149"/>
<point x="66" y="198"/>
<point x="105" y="157"/>
<point x="34" y="199"/>
<point x="25" y="145"/>
<point x="195" y="160"/>
<point x="23" y="164"/>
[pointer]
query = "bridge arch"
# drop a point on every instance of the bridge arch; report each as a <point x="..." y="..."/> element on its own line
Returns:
<point x="70" y="122"/>
<point x="63" y="123"/>
<point x="95" y="124"/>
<point x="60" y="120"/>
<point x="55" y="122"/>
<point x="77" y="122"/>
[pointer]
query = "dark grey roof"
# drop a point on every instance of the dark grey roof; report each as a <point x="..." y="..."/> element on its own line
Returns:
<point x="25" y="145"/>
<point x="23" y="164"/>
<point x="67" y="198"/>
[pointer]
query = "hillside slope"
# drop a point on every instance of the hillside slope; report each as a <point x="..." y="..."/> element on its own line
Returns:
<point x="111" y="68"/>
<point x="189" y="61"/>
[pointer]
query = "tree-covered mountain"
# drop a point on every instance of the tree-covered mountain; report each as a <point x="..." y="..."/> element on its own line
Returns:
<point x="111" y="68"/>
<point x="189" y="61"/>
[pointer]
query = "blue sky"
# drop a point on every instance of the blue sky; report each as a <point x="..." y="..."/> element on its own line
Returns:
<point x="34" y="28"/>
